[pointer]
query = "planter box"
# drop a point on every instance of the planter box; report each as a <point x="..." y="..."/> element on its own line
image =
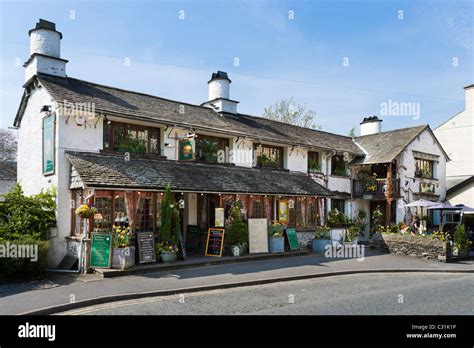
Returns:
<point x="123" y="257"/>
<point x="276" y="244"/>
<point x="319" y="245"/>
<point x="168" y="256"/>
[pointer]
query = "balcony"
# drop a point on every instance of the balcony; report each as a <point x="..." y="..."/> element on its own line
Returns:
<point x="376" y="189"/>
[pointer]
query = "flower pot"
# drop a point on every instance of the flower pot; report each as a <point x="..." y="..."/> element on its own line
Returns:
<point x="276" y="244"/>
<point x="319" y="245"/>
<point x="168" y="256"/>
<point x="123" y="257"/>
<point x="237" y="250"/>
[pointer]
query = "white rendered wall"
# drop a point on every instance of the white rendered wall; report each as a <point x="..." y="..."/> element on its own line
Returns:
<point x="370" y="128"/>
<point x="464" y="196"/>
<point x="46" y="42"/>
<point x="297" y="159"/>
<point x="45" y="65"/>
<point x="219" y="88"/>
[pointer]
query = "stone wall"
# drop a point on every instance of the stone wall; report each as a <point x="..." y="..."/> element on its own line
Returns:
<point x="305" y="239"/>
<point x="420" y="247"/>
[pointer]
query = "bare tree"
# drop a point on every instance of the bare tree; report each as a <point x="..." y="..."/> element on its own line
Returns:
<point x="352" y="132"/>
<point x="287" y="111"/>
<point x="8" y="146"/>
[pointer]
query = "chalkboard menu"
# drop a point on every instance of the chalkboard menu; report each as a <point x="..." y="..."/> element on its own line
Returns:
<point x="215" y="242"/>
<point x="181" y="248"/>
<point x="193" y="237"/>
<point x="146" y="247"/>
<point x="101" y="246"/>
<point x="292" y="239"/>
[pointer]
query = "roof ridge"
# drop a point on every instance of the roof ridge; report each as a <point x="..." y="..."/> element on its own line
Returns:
<point x="394" y="130"/>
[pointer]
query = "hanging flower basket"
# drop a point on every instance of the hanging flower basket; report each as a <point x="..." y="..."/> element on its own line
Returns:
<point x="85" y="211"/>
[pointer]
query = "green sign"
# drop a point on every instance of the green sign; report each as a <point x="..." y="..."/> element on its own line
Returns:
<point x="186" y="150"/>
<point x="48" y="145"/>
<point x="101" y="247"/>
<point x="292" y="239"/>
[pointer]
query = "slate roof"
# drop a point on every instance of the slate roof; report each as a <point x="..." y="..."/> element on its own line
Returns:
<point x="454" y="183"/>
<point x="128" y="104"/>
<point x="384" y="147"/>
<point x="111" y="171"/>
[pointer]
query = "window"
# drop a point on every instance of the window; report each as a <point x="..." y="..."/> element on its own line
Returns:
<point x="338" y="204"/>
<point x="123" y="208"/>
<point x="159" y="200"/>
<point x="144" y="217"/>
<point x="424" y="168"/>
<point x="77" y="222"/>
<point x="312" y="212"/>
<point x="103" y="217"/>
<point x="269" y="156"/>
<point x="452" y="218"/>
<point x="122" y="137"/>
<point x="338" y="166"/>
<point x="314" y="166"/>
<point x="300" y="211"/>
<point x="256" y="207"/>
<point x="207" y="147"/>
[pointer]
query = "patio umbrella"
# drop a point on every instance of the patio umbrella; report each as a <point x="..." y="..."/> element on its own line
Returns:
<point x="443" y="206"/>
<point x="423" y="203"/>
<point x="464" y="209"/>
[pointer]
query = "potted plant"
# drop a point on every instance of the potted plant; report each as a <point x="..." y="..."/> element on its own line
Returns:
<point x="321" y="239"/>
<point x="209" y="151"/>
<point x="313" y="166"/>
<point x="337" y="222"/>
<point x="168" y="236"/>
<point x="123" y="254"/>
<point x="276" y="241"/>
<point x="236" y="237"/>
<point x="461" y="242"/>
<point x="352" y="234"/>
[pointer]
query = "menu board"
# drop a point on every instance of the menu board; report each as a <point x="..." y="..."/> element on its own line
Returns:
<point x="181" y="248"/>
<point x="215" y="242"/>
<point x="193" y="236"/>
<point x="258" y="236"/>
<point x="101" y="246"/>
<point x="146" y="247"/>
<point x="292" y="239"/>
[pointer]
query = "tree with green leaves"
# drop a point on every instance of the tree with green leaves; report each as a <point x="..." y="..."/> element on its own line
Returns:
<point x="352" y="132"/>
<point x="287" y="111"/>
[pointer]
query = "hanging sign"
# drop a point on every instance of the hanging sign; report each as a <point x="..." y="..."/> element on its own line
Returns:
<point x="219" y="217"/>
<point x="186" y="149"/>
<point x="292" y="239"/>
<point x="48" y="145"/>
<point x="101" y="246"/>
<point x="283" y="211"/>
<point x="146" y="247"/>
<point x="215" y="242"/>
<point x="258" y="236"/>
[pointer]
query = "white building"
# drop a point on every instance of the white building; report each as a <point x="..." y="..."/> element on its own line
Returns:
<point x="118" y="150"/>
<point x="457" y="137"/>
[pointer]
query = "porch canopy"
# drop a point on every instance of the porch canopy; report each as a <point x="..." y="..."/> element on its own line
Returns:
<point x="92" y="170"/>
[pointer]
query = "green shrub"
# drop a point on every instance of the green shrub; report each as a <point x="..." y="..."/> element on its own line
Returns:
<point x="237" y="232"/>
<point x="22" y="215"/>
<point x="461" y="241"/>
<point x="24" y="267"/>
<point x="336" y="218"/>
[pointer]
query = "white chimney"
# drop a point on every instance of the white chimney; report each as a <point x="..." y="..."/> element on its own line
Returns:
<point x="45" y="51"/>
<point x="469" y="98"/>
<point x="219" y="93"/>
<point x="370" y="125"/>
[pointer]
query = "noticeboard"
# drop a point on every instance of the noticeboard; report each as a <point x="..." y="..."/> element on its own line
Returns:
<point x="283" y="211"/>
<point x="219" y="217"/>
<point x="215" y="242"/>
<point x="146" y="247"/>
<point x="258" y="236"/>
<point x="292" y="239"/>
<point x="101" y="250"/>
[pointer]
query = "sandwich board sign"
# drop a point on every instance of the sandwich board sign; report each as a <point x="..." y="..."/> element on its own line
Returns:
<point x="101" y="250"/>
<point x="258" y="236"/>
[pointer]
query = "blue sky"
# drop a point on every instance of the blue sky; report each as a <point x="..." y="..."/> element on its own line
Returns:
<point x="408" y="60"/>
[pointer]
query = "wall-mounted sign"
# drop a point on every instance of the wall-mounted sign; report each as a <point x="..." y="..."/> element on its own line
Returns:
<point x="146" y="247"/>
<point x="283" y="211"/>
<point x="101" y="246"/>
<point x="186" y="149"/>
<point x="219" y="220"/>
<point x="258" y="236"/>
<point x="48" y="145"/>
<point x="215" y="242"/>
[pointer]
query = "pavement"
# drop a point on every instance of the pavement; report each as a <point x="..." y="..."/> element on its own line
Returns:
<point x="66" y="292"/>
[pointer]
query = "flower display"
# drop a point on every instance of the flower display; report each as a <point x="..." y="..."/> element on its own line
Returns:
<point x="85" y="211"/>
<point x="122" y="236"/>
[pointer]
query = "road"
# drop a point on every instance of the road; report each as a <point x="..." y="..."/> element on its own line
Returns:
<point x="362" y="294"/>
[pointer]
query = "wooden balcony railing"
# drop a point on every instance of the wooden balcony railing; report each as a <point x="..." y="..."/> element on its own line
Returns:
<point x="361" y="188"/>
